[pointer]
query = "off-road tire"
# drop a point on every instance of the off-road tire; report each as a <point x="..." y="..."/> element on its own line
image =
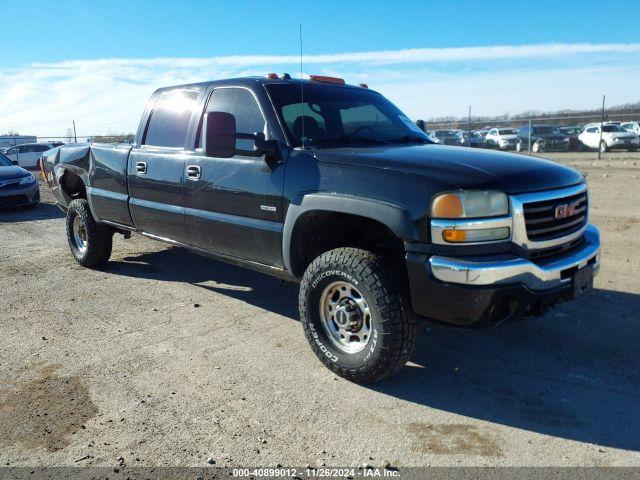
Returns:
<point x="393" y="324"/>
<point x="99" y="238"/>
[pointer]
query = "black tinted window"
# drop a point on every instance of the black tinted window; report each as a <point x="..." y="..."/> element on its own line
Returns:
<point x="4" y="161"/>
<point x="170" y="119"/>
<point x="242" y="105"/>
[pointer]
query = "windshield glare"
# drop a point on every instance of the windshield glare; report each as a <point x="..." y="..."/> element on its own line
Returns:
<point x="336" y="116"/>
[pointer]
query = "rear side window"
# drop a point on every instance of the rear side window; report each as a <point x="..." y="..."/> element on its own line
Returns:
<point x="243" y="106"/>
<point x="169" y="120"/>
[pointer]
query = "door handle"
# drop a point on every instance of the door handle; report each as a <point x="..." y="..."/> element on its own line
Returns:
<point x="193" y="172"/>
<point x="141" y="168"/>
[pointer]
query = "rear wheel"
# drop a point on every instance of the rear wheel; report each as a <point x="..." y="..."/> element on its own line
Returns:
<point x="356" y="316"/>
<point x="519" y="147"/>
<point x="90" y="242"/>
<point x="536" y="148"/>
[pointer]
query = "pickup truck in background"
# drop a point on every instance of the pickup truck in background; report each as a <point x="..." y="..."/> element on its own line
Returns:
<point x="332" y="186"/>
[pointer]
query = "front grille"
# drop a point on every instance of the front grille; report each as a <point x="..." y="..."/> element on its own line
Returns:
<point x="542" y="223"/>
<point x="9" y="200"/>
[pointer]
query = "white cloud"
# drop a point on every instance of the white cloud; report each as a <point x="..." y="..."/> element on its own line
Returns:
<point x="108" y="95"/>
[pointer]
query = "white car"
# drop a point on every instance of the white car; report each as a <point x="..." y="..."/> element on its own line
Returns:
<point x="502" y="138"/>
<point x="613" y="137"/>
<point x="631" y="127"/>
<point x="27" y="154"/>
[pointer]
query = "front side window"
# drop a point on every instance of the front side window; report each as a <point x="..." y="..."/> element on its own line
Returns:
<point x="12" y="151"/>
<point x="243" y="106"/>
<point x="169" y="120"/>
<point x="507" y="131"/>
<point x="333" y="116"/>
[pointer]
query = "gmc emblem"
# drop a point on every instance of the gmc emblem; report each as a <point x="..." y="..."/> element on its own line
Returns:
<point x="566" y="210"/>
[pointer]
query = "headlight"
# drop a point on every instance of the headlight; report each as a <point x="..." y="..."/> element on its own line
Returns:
<point x="27" y="180"/>
<point x="470" y="204"/>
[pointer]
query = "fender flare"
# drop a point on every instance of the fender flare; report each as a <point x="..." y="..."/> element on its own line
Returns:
<point x="392" y="216"/>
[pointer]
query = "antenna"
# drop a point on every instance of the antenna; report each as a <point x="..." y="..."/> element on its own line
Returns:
<point x="301" y="88"/>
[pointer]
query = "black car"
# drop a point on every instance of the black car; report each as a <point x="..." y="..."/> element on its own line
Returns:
<point x="341" y="192"/>
<point x="472" y="139"/>
<point x="572" y="132"/>
<point x="18" y="187"/>
<point x="544" y="138"/>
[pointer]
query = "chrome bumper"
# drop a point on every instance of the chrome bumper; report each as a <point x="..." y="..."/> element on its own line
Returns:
<point x="506" y="269"/>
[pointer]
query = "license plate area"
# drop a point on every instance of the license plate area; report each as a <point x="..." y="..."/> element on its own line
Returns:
<point x="582" y="281"/>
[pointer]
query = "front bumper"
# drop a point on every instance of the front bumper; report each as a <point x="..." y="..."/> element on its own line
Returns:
<point x="468" y="290"/>
<point x="19" y="196"/>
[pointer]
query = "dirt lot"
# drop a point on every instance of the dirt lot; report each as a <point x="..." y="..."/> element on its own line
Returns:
<point x="167" y="358"/>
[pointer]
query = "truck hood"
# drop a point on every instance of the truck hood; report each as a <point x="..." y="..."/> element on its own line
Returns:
<point x="460" y="167"/>
<point x="12" y="173"/>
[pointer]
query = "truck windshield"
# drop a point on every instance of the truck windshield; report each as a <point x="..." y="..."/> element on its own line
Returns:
<point x="333" y="116"/>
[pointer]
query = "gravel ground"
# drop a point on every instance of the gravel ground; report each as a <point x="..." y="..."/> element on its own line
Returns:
<point x="165" y="358"/>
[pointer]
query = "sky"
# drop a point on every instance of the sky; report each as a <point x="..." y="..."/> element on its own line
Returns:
<point x="97" y="62"/>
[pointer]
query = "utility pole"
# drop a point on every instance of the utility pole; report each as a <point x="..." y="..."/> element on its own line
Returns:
<point x="601" y="123"/>
<point x="469" y="122"/>
<point x="529" y="141"/>
<point x="75" y="137"/>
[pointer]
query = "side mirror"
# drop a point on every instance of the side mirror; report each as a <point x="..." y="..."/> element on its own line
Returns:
<point x="220" y="134"/>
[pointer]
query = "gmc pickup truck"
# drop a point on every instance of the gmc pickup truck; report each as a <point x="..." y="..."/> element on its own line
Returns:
<point x="332" y="186"/>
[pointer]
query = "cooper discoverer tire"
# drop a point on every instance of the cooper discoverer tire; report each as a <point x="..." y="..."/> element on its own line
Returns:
<point x="90" y="242"/>
<point x="354" y="286"/>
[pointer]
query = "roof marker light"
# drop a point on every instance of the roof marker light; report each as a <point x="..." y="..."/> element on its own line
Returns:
<point x="323" y="79"/>
<point x="285" y="76"/>
<point x="363" y="85"/>
<point x="272" y="76"/>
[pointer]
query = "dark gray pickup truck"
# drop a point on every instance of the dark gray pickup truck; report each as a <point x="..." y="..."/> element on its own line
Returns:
<point x="332" y="186"/>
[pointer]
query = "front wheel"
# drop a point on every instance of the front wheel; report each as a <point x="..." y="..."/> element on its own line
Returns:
<point x="356" y="316"/>
<point x="536" y="148"/>
<point x="603" y="147"/>
<point x="519" y="147"/>
<point x="89" y="241"/>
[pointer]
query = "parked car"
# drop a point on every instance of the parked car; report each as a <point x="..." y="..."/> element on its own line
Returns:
<point x="472" y="139"/>
<point x="18" y="187"/>
<point x="502" y="138"/>
<point x="631" y="127"/>
<point x="447" y="137"/>
<point x="544" y="138"/>
<point x="27" y="154"/>
<point x="613" y="137"/>
<point x="572" y="133"/>
<point x="342" y="193"/>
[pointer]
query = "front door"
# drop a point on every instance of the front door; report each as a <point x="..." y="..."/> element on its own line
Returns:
<point x="156" y="168"/>
<point x="234" y="205"/>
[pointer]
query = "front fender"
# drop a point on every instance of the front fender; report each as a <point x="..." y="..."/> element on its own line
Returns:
<point x="393" y="216"/>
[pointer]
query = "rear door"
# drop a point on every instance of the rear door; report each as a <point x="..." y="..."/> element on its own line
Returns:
<point x="234" y="205"/>
<point x="155" y="168"/>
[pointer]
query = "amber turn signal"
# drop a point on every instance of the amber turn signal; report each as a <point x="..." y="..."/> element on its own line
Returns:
<point x="454" y="235"/>
<point x="448" y="205"/>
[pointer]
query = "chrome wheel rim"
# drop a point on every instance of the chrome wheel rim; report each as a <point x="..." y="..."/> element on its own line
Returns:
<point x="345" y="316"/>
<point x="79" y="234"/>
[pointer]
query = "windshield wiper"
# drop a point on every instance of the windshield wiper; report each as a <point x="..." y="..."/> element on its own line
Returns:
<point x="348" y="139"/>
<point x="411" y="139"/>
